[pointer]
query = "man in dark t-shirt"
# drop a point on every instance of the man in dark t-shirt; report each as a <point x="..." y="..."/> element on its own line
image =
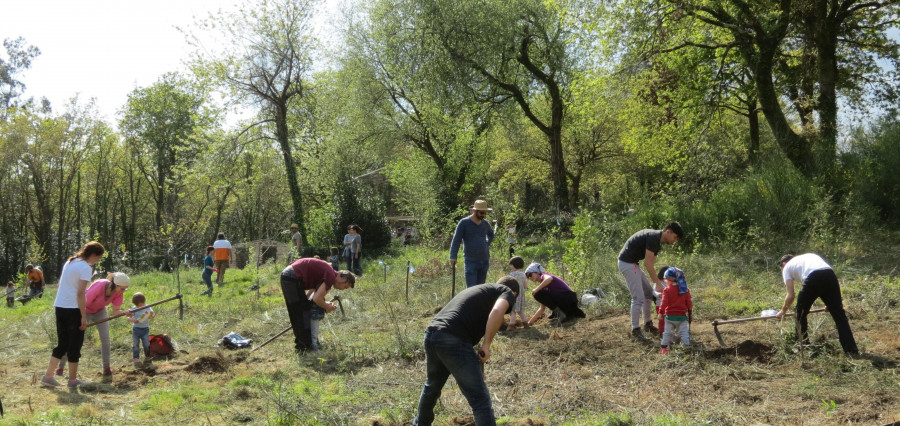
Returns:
<point x="474" y="313"/>
<point x="644" y="245"/>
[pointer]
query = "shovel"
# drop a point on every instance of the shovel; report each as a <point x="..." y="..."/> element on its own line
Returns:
<point x="717" y="323"/>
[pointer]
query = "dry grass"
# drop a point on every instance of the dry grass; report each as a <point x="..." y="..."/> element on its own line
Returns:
<point x="372" y="369"/>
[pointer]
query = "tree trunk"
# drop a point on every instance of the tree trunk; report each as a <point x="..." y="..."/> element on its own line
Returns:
<point x="826" y="39"/>
<point x="557" y="161"/>
<point x="753" y="122"/>
<point x="281" y="133"/>
<point x="795" y="148"/>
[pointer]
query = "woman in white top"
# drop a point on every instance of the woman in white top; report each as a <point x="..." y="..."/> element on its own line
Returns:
<point x="71" y="317"/>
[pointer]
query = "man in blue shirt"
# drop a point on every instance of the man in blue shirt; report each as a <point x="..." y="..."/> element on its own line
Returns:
<point x="476" y="235"/>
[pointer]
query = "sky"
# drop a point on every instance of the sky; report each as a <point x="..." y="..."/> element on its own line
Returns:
<point x="104" y="49"/>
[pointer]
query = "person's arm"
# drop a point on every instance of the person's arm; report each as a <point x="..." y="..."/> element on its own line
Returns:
<point x="788" y="299"/>
<point x="490" y="234"/>
<point x="319" y="298"/>
<point x="455" y="242"/>
<point x="663" y="304"/>
<point x="495" y="319"/>
<point x="82" y="302"/>
<point x="537" y="315"/>
<point x="358" y="246"/>
<point x="117" y="310"/>
<point x="543" y="284"/>
<point x="649" y="266"/>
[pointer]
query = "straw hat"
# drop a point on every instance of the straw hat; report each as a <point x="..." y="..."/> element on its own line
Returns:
<point x="481" y="205"/>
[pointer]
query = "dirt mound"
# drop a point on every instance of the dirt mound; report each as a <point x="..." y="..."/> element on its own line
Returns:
<point x="753" y="351"/>
<point x="209" y="364"/>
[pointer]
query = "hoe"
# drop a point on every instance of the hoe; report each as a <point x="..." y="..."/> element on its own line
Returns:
<point x="717" y="323"/>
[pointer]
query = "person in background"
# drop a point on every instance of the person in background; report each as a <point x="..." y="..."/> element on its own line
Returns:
<point x="818" y="281"/>
<point x="99" y="295"/>
<point x="475" y="235"/>
<point x="511" y="240"/>
<point x="140" y="330"/>
<point x="644" y="245"/>
<point x="35" y="281"/>
<point x="335" y="259"/>
<point x="474" y="313"/>
<point x="222" y="256"/>
<point x="71" y="317"/>
<point x="353" y="248"/>
<point x="516" y="264"/>
<point x="677" y="308"/>
<point x="10" y="294"/>
<point x="208" y="269"/>
<point x="296" y="241"/>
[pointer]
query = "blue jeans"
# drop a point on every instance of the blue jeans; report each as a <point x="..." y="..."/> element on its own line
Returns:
<point x="446" y="354"/>
<point x="140" y="336"/>
<point x="476" y="271"/>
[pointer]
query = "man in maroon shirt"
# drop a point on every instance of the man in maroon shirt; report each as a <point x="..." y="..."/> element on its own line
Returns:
<point x="305" y="282"/>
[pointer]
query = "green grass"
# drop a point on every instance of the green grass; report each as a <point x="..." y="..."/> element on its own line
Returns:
<point x="372" y="367"/>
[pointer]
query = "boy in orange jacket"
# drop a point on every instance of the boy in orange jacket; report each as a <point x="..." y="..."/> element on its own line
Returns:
<point x="677" y="308"/>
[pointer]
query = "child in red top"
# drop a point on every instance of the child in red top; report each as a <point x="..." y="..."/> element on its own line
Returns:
<point x="677" y="308"/>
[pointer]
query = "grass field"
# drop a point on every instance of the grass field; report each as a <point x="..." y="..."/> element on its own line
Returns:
<point x="372" y="367"/>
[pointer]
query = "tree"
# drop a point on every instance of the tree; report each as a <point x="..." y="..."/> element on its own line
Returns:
<point x="265" y="63"/>
<point x="19" y="57"/>
<point x="520" y="51"/>
<point x="408" y="91"/>
<point x="824" y="40"/>
<point x="159" y="124"/>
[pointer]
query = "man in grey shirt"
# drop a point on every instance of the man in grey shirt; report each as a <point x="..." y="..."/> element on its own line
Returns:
<point x="644" y="245"/>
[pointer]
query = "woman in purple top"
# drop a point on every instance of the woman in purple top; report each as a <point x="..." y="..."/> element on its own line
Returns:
<point x="553" y="293"/>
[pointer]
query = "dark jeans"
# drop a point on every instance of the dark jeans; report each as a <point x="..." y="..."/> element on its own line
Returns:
<point x="353" y="264"/>
<point x="299" y="311"/>
<point x="566" y="302"/>
<point x="207" y="278"/>
<point x="446" y="354"/>
<point x="823" y="284"/>
<point x="69" y="339"/>
<point x="476" y="271"/>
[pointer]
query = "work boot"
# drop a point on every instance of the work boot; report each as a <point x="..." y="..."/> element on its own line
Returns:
<point x="650" y="328"/>
<point x="637" y="335"/>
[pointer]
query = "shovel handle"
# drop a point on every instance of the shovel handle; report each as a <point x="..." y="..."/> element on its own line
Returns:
<point x="717" y="322"/>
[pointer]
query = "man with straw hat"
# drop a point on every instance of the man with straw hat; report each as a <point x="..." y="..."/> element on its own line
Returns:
<point x="475" y="234"/>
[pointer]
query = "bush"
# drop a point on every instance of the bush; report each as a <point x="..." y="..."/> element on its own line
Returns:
<point x="355" y="205"/>
<point x="873" y="163"/>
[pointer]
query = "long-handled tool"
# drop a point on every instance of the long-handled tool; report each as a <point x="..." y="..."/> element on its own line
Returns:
<point x="177" y="296"/>
<point x="273" y="338"/>
<point x="336" y="299"/>
<point x="453" y="289"/>
<point x="717" y="323"/>
<point x="341" y="305"/>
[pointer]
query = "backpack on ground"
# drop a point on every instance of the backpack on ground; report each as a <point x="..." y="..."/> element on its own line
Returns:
<point x="161" y="344"/>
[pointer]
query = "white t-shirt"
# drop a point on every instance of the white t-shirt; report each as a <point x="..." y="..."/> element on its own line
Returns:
<point x="799" y="267"/>
<point x="225" y="244"/>
<point x="73" y="271"/>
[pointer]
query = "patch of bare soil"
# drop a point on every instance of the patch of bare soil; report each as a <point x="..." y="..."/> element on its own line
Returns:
<point x="749" y="350"/>
<point x="209" y="364"/>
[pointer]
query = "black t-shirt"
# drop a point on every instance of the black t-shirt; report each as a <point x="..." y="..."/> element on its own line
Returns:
<point x="466" y="315"/>
<point x="636" y="247"/>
